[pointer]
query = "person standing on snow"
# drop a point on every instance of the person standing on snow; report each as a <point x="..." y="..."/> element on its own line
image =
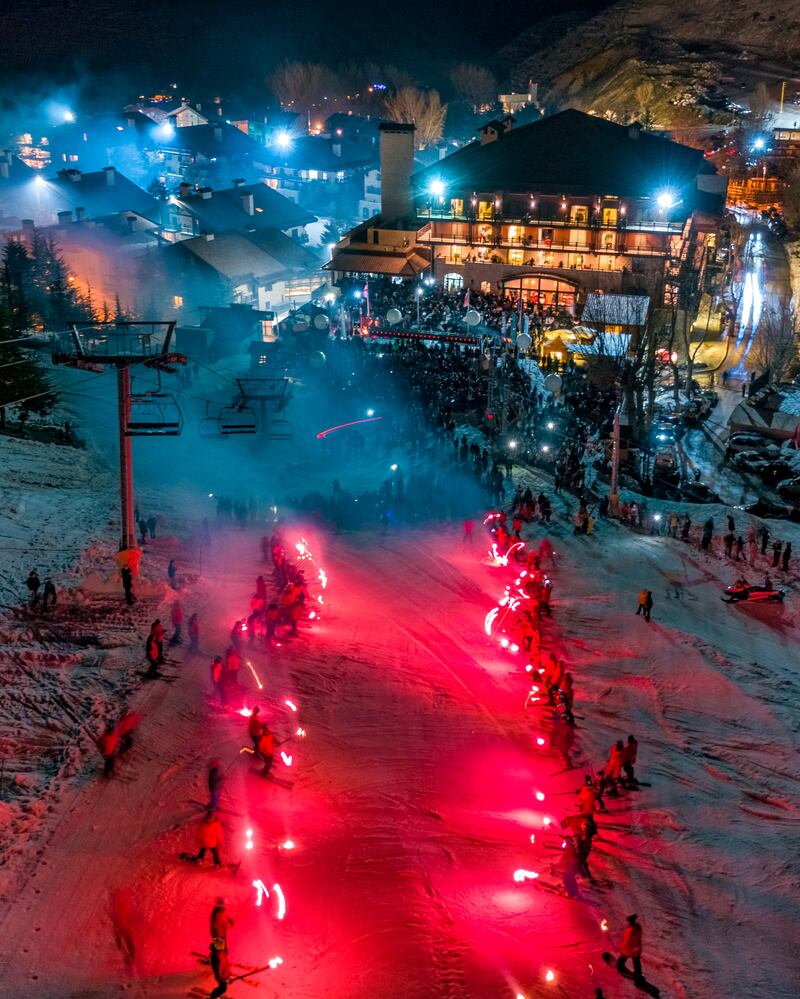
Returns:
<point x="562" y="738"/>
<point x="210" y="837"/>
<point x="254" y="726"/>
<point x="151" y="526"/>
<point x="648" y="604"/>
<point x="127" y="584"/>
<point x="172" y="574"/>
<point x="220" y="967"/>
<point x="629" y="758"/>
<point x="152" y="656"/>
<point x="787" y="554"/>
<point x="764" y="535"/>
<point x="33" y="583"/>
<point x="640" y="609"/>
<point x="218" y="679"/>
<point x="177" y="623"/>
<point x="143" y="530"/>
<point x="216" y="780"/>
<point x="631" y="947"/>
<point x="568" y="697"/>
<point x="613" y="771"/>
<point x="777" y="548"/>
<point x="194" y="633"/>
<point x="107" y="744"/>
<point x="48" y="594"/>
<point x="589" y="797"/>
<point x="220" y="922"/>
<point x="266" y="749"/>
<point x="469" y="526"/>
<point x="126" y="726"/>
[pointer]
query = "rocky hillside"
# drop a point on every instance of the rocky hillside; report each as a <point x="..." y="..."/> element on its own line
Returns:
<point x="680" y="50"/>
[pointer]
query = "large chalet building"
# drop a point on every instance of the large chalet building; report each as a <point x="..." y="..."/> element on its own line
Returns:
<point x="553" y="211"/>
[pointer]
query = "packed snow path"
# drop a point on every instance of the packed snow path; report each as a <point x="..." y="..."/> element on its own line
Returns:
<point x="414" y="795"/>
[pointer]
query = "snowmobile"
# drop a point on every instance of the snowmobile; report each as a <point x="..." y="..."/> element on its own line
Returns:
<point x="741" y="590"/>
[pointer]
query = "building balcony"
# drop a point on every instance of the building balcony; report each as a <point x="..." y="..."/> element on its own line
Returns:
<point x="623" y="223"/>
<point x="503" y="244"/>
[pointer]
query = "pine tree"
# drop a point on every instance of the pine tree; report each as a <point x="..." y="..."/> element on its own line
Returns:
<point x="21" y="377"/>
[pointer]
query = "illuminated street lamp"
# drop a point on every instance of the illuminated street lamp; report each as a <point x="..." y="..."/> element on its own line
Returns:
<point x="418" y="293"/>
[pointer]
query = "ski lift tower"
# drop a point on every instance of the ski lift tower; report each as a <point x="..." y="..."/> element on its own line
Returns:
<point x="122" y="345"/>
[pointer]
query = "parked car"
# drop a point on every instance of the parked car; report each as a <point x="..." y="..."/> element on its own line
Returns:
<point x="710" y="397"/>
<point x="663" y="433"/>
<point x="699" y="492"/>
<point x="766" y="508"/>
<point x="789" y="489"/>
<point x="745" y="442"/>
<point x="776" y="471"/>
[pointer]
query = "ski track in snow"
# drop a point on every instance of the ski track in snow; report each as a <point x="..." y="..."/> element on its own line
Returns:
<point x="413" y="798"/>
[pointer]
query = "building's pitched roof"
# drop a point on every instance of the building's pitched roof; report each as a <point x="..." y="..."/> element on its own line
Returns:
<point x="615" y="310"/>
<point x="231" y="254"/>
<point x="359" y="262"/>
<point x="572" y="153"/>
<point x="315" y="152"/>
<point x="225" y="209"/>
<point x="293" y="256"/>
<point x="214" y="140"/>
<point x="93" y="192"/>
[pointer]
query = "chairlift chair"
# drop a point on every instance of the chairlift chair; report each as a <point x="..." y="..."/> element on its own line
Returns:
<point x="154" y="414"/>
<point x="238" y="419"/>
<point x="280" y="430"/>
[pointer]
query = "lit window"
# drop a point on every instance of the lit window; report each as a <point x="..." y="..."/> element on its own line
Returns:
<point x="313" y="174"/>
<point x="177" y="301"/>
<point x="259" y="209"/>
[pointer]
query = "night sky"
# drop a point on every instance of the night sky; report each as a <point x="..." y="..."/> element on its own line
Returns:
<point x="239" y="44"/>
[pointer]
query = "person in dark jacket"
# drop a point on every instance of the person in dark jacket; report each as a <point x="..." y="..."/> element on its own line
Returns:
<point x="49" y="594"/>
<point x="216" y="779"/>
<point x="33" y="583"/>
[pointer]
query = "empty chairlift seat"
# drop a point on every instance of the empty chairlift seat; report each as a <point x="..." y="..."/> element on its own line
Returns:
<point x="154" y="414"/>
<point x="237" y="420"/>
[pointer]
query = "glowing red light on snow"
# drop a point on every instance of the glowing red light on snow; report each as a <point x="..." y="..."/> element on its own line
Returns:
<point x="523" y="875"/>
<point x="504" y="643"/>
<point x="301" y="548"/>
<point x="539" y="796"/>
<point x="513" y="648"/>
<point x="275" y="962"/>
<point x="288" y="844"/>
<point x="286" y="759"/>
<point x="563" y="844"/>
<point x="546" y="821"/>
<point x="301" y="732"/>
<point x="534" y="689"/>
<point x="319" y="599"/>
<point x="540" y="741"/>
<point x="245" y="712"/>
<point x="290" y="705"/>
<point x="281" y="901"/>
<point x="244" y="626"/>
<point x="261" y="891"/>
<point x="550" y="976"/>
<point x="533" y="837"/>
<point x="249" y="840"/>
<point x="322" y="576"/>
<point x="312" y="615"/>
<point x="604" y="925"/>
<point x="488" y="621"/>
<point x="342" y="426"/>
<point x="523" y="574"/>
<point x="255" y="675"/>
<point x="529" y="668"/>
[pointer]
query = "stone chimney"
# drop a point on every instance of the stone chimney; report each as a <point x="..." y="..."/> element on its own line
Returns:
<point x="111" y="175"/>
<point x="248" y="202"/>
<point x="207" y="236"/>
<point x="239" y="182"/>
<point x="634" y="131"/>
<point x="64" y="218"/>
<point x="73" y="175"/>
<point x="205" y="193"/>
<point x="80" y="213"/>
<point x="28" y="226"/>
<point x="491" y="132"/>
<point x="184" y="190"/>
<point x="397" y="165"/>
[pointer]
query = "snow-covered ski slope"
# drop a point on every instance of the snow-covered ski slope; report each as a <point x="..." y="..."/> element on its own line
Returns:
<point x="415" y="792"/>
